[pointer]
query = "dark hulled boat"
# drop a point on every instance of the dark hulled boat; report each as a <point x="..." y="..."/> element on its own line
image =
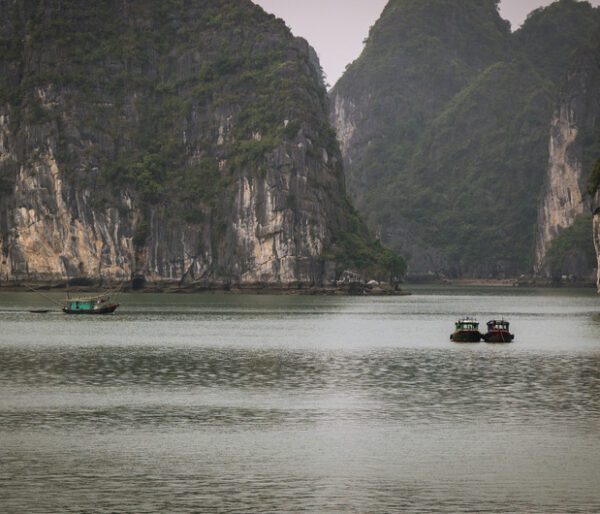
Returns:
<point x="498" y="331"/>
<point x="101" y="304"/>
<point x="466" y="330"/>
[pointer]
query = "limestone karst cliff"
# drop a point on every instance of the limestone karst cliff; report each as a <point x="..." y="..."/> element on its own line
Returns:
<point x="168" y="140"/>
<point x="443" y="123"/>
<point x="574" y="145"/>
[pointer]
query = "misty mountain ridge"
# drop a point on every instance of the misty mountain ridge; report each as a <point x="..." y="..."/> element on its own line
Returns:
<point x="444" y="124"/>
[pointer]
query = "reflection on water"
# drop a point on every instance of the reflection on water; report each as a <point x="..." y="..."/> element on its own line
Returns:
<point x="157" y="387"/>
<point x="225" y="403"/>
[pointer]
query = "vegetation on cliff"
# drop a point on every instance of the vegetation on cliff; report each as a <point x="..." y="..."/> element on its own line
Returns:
<point x="450" y="115"/>
<point x="418" y="56"/>
<point x="248" y="67"/>
<point x="552" y="34"/>
<point x="594" y="180"/>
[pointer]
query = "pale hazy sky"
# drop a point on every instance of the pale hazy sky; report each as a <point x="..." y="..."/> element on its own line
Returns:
<point x="337" y="28"/>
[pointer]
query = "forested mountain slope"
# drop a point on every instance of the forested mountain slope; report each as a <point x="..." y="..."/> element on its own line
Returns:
<point x="444" y="125"/>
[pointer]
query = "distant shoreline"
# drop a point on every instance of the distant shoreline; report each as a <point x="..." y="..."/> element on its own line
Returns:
<point x="524" y="283"/>
<point x="355" y="289"/>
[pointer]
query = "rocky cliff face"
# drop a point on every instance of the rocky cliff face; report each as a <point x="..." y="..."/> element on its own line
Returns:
<point x="164" y="141"/>
<point x="573" y="146"/>
<point x="564" y="196"/>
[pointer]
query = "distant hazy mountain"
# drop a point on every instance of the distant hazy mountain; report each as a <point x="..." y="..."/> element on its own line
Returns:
<point x="444" y="123"/>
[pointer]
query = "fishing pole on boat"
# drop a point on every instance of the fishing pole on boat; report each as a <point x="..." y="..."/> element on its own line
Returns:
<point x="44" y="296"/>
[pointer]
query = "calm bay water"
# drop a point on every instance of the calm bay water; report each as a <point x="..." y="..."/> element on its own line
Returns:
<point x="265" y="403"/>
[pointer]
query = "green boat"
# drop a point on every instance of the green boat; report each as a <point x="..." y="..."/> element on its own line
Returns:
<point x="466" y="330"/>
<point x="102" y="304"/>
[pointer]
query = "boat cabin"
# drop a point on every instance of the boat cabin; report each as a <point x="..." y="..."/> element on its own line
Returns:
<point x="498" y="325"/>
<point x="467" y="324"/>
<point x="81" y="304"/>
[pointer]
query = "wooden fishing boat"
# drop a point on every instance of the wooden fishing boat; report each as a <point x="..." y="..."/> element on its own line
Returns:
<point x="466" y="330"/>
<point x="102" y="304"/>
<point x="498" y="331"/>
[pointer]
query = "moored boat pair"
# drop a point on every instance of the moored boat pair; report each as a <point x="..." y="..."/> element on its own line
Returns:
<point x="466" y="330"/>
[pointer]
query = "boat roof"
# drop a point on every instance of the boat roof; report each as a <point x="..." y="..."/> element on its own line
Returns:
<point x="87" y="298"/>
